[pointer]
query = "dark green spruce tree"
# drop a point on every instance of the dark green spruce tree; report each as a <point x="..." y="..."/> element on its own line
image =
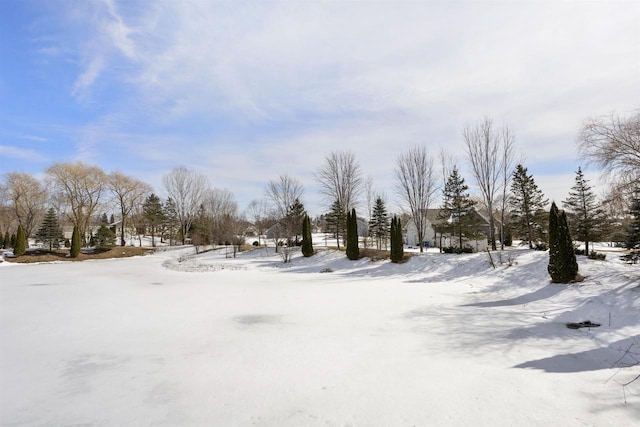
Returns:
<point x="353" y="251"/>
<point x="456" y="205"/>
<point x="527" y="204"/>
<point x="563" y="267"/>
<point x="397" y="247"/>
<point x="50" y="232"/>
<point x="379" y="223"/>
<point x="585" y="214"/>
<point x="336" y="221"/>
<point x="104" y="239"/>
<point x="75" y="243"/>
<point x="307" y="242"/>
<point x="20" y="247"/>
<point x="153" y="216"/>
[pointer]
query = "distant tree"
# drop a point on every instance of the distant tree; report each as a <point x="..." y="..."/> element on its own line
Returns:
<point x="186" y="188"/>
<point x="7" y="240"/>
<point x="80" y="188"/>
<point x="294" y="219"/>
<point x="104" y="238"/>
<point x="128" y="192"/>
<point x="285" y="194"/>
<point x="307" y="242"/>
<point x="353" y="251"/>
<point x="20" y="246"/>
<point x="527" y="206"/>
<point x="153" y="215"/>
<point x="27" y="198"/>
<point x="632" y="240"/>
<point x="456" y="205"/>
<point x="258" y="213"/>
<point x="50" y="232"/>
<point x="13" y="240"/>
<point x="341" y="182"/>
<point x="75" y="242"/>
<point x="397" y="246"/>
<point x="171" y="223"/>
<point x="485" y="151"/>
<point x="336" y="221"/>
<point x="416" y="184"/>
<point x="379" y="222"/>
<point x="585" y="214"/>
<point x="2" y="240"/>
<point x="563" y="267"/>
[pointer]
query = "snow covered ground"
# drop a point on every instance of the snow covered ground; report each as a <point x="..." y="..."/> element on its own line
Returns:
<point x="175" y="339"/>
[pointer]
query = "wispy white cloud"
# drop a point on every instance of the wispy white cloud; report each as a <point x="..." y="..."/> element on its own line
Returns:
<point x="17" y="153"/>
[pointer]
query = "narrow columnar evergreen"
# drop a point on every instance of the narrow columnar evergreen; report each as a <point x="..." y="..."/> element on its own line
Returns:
<point x="632" y="240"/>
<point x="20" y="246"/>
<point x="397" y="249"/>
<point x="7" y="240"/>
<point x="50" y="232"/>
<point x="75" y="243"/>
<point x="563" y="267"/>
<point x="353" y="252"/>
<point x="307" y="243"/>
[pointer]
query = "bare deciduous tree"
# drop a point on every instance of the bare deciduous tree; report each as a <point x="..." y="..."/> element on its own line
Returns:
<point x="220" y="207"/>
<point x="613" y="144"/>
<point x="283" y="194"/>
<point x="79" y="188"/>
<point x="27" y="197"/>
<point x="186" y="189"/>
<point x="416" y="185"/>
<point x="340" y="181"/>
<point x="506" y="170"/>
<point x="258" y="212"/>
<point x="128" y="193"/>
<point x="485" y="153"/>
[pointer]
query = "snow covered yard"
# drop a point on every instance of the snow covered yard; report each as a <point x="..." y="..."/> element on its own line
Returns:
<point x="174" y="339"/>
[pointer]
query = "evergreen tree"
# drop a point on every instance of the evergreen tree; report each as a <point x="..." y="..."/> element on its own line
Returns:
<point x="20" y="247"/>
<point x="632" y="240"/>
<point x="75" y="242"/>
<point x="379" y="223"/>
<point x="153" y="215"/>
<point x="104" y="220"/>
<point x="397" y="247"/>
<point x="585" y="214"/>
<point x="105" y="238"/>
<point x="527" y="207"/>
<point x="171" y="222"/>
<point x="7" y="240"/>
<point x="562" y="267"/>
<point x="456" y="205"/>
<point x="50" y="231"/>
<point x="13" y="240"/>
<point x="1" y="241"/>
<point x="307" y="243"/>
<point x="336" y="221"/>
<point x="295" y="216"/>
<point x="353" y="252"/>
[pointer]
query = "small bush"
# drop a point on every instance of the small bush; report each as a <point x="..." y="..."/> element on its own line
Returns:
<point x="541" y="246"/>
<point x="326" y="270"/>
<point x="456" y="250"/>
<point x="255" y="243"/>
<point x="597" y="256"/>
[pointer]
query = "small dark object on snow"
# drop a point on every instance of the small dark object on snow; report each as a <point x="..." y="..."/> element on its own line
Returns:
<point x="585" y="324"/>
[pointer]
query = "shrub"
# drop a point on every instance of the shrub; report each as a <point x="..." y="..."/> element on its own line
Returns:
<point x="255" y="243"/>
<point x="104" y="238"/>
<point x="597" y="256"/>
<point x="75" y="243"/>
<point x="540" y="246"/>
<point x="457" y="250"/>
<point x="20" y="246"/>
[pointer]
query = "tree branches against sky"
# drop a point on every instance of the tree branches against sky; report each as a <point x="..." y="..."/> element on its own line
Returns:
<point x="269" y="84"/>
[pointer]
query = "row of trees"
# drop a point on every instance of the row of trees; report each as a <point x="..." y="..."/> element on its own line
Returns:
<point x="193" y="209"/>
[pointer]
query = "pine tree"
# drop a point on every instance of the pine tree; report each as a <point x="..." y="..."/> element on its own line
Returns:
<point x="20" y="247"/>
<point x="585" y="214"/>
<point x="295" y="216"/>
<point x="7" y="240"/>
<point x="171" y="222"/>
<point x="104" y="239"/>
<point x="353" y="252"/>
<point x="153" y="215"/>
<point x="50" y="231"/>
<point x="75" y="243"/>
<point x="307" y="243"/>
<point x="1" y="241"/>
<point x="13" y="240"/>
<point x="336" y="221"/>
<point x="563" y="266"/>
<point x="527" y="206"/>
<point x="379" y="223"/>
<point x="456" y="205"/>
<point x="632" y="240"/>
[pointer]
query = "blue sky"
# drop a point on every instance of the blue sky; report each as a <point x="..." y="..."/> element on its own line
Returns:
<point x="246" y="91"/>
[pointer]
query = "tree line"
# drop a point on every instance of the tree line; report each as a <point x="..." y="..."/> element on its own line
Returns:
<point x="80" y="195"/>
